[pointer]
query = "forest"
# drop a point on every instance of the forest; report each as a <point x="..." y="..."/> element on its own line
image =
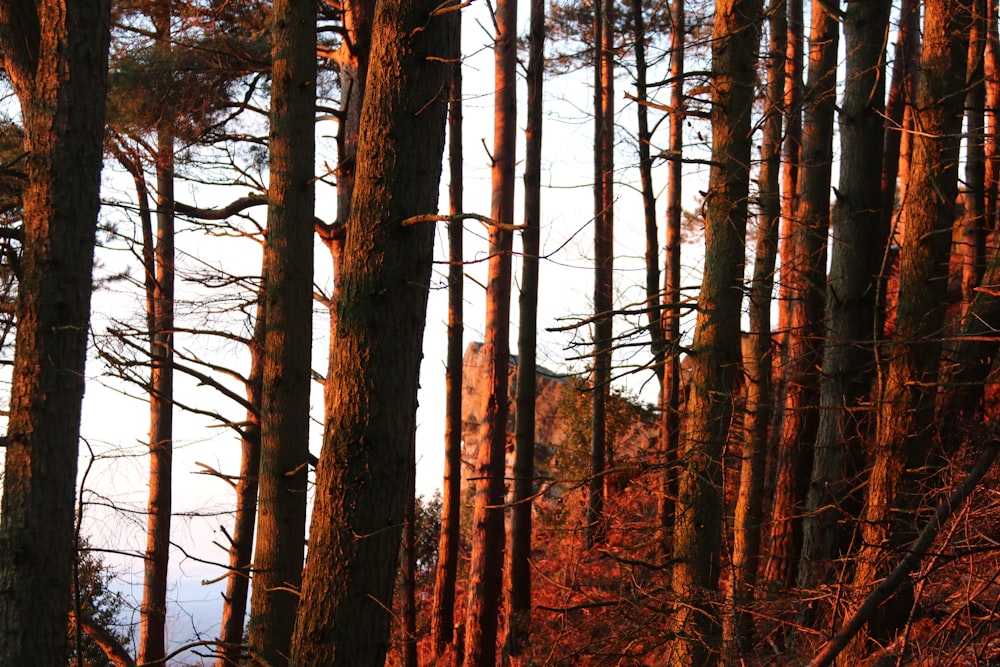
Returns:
<point x="479" y="332"/>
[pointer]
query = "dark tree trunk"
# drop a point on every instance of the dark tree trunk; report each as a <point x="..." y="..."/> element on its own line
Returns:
<point x="698" y="527"/>
<point x="900" y="449"/>
<point x="443" y="621"/>
<point x="55" y="55"/>
<point x="803" y="278"/>
<point x="857" y="250"/>
<point x="757" y="366"/>
<point x="287" y="369"/>
<point x="365" y="473"/>
<point x="519" y="554"/>
<point x="604" y="130"/>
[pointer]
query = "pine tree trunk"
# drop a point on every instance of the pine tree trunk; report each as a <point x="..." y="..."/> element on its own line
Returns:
<point x="850" y="332"/>
<point x="804" y="276"/>
<point x="153" y="613"/>
<point x="486" y="566"/>
<point x="234" y="605"/>
<point x="55" y="55"/>
<point x="900" y="450"/>
<point x="698" y="531"/>
<point x="757" y="366"/>
<point x="443" y="620"/>
<point x="365" y="472"/>
<point x="519" y="555"/>
<point x="287" y="369"/>
<point x="670" y="416"/>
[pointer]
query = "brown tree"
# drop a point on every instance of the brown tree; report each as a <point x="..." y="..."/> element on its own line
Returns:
<point x="486" y="565"/>
<point x="365" y="471"/>
<point x="698" y="527"/>
<point x="287" y="372"/>
<point x="901" y="447"/>
<point x="443" y="619"/>
<point x="55" y="54"/>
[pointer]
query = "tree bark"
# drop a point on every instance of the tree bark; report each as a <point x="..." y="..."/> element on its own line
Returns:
<point x="287" y="368"/>
<point x="670" y="415"/>
<point x="595" y="531"/>
<point x="900" y="453"/>
<point x="698" y="531"/>
<point x="160" y="302"/>
<point x="859" y="243"/>
<point x="55" y="54"/>
<point x="803" y="276"/>
<point x="443" y="620"/>
<point x="519" y="563"/>
<point x="365" y="472"/>
<point x="757" y="366"/>
<point x="486" y="566"/>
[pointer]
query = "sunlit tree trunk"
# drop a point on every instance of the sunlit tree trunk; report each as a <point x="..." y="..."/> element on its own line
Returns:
<point x="365" y="472"/>
<point x="486" y="566"/>
<point x="858" y="247"/>
<point x="55" y="56"/>
<point x="604" y="138"/>
<point x="288" y="266"/>
<point x="670" y="416"/>
<point x="698" y="527"/>
<point x="991" y="73"/>
<point x="900" y="449"/>
<point x="757" y="366"/>
<point x="234" y="601"/>
<point x="160" y="302"/>
<point x="519" y="553"/>
<point x="443" y="620"/>
<point x="803" y="276"/>
<point x="972" y="234"/>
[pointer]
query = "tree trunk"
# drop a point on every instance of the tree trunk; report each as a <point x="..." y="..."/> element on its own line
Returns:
<point x="519" y="554"/>
<point x="595" y="531"/>
<point x="288" y="280"/>
<point x="234" y="601"/>
<point x="365" y="473"/>
<point x="153" y="613"/>
<point x="486" y="566"/>
<point x="757" y="366"/>
<point x="55" y="55"/>
<point x="443" y="620"/>
<point x="972" y="234"/>
<point x="900" y="454"/>
<point x="698" y="532"/>
<point x="803" y="275"/>
<point x="670" y="416"/>
<point x="991" y="73"/>
<point x="857" y="251"/>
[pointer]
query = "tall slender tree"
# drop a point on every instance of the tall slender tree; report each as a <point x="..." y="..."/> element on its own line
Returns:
<point x="443" y="619"/>
<point x="519" y="554"/>
<point x="486" y="565"/>
<point x="698" y="527"/>
<point x="901" y="447"/>
<point x="55" y="54"/>
<point x="287" y="370"/>
<point x="365" y="472"/>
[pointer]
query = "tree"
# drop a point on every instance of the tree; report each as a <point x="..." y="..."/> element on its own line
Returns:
<point x="519" y="553"/>
<point x="287" y="371"/>
<point x="857" y="249"/>
<point x="486" y="562"/>
<point x="443" y="623"/>
<point x="698" y="527"/>
<point x="604" y="238"/>
<point x="900" y="450"/>
<point x="758" y="364"/>
<point x="365" y="470"/>
<point x="55" y="54"/>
